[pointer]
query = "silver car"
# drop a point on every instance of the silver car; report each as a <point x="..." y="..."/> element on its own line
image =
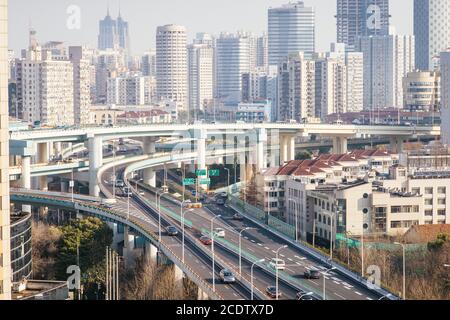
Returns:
<point x="227" y="276"/>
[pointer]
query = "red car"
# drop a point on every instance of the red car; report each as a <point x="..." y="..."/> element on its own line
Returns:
<point x="206" y="240"/>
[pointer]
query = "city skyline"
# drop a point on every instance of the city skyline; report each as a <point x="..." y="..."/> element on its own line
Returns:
<point x="145" y="17"/>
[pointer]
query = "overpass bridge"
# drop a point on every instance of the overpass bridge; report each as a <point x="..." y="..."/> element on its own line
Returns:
<point x="270" y="143"/>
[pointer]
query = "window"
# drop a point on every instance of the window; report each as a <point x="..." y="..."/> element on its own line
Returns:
<point x="442" y="190"/>
<point x="429" y="213"/>
<point x="441" y="201"/>
<point x="441" y="212"/>
<point x="415" y="190"/>
<point x="428" y="202"/>
<point x="396" y="209"/>
<point x="428" y="190"/>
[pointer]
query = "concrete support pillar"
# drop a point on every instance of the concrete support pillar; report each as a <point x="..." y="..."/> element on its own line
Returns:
<point x="283" y="149"/>
<point x="201" y="153"/>
<point x="25" y="180"/>
<point x="261" y="159"/>
<point x="128" y="247"/>
<point x="58" y="148"/>
<point x="396" y="144"/>
<point x="340" y="145"/>
<point x="43" y="152"/>
<point x="290" y="142"/>
<point x="95" y="162"/>
<point x="243" y="167"/>
<point x="64" y="186"/>
<point x="150" y="177"/>
<point x="149" y="145"/>
<point x="178" y="277"/>
<point x="151" y="252"/>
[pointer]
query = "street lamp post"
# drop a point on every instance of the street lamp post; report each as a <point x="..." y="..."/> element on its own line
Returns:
<point x="182" y="228"/>
<point x="240" y="248"/>
<point x="332" y="216"/>
<point x="251" y="276"/>
<point x="305" y="295"/>
<point x="324" y="281"/>
<point x="212" y="249"/>
<point x="404" y="267"/>
<point x="276" y="269"/>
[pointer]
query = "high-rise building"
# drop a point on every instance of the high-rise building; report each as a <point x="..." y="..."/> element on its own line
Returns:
<point x="148" y="63"/>
<point x="201" y="76"/>
<point x="262" y="51"/>
<point x="113" y="34"/>
<point x="232" y="60"/>
<point x="357" y="18"/>
<point x="387" y="59"/>
<point x="291" y="30"/>
<point x="171" y="64"/>
<point x="445" y="97"/>
<point x="432" y="31"/>
<point x="130" y="89"/>
<point x="422" y="91"/>
<point x="354" y="75"/>
<point x="330" y="86"/>
<point x="5" y="254"/>
<point x="45" y="87"/>
<point x="296" y="88"/>
<point x="81" y="84"/>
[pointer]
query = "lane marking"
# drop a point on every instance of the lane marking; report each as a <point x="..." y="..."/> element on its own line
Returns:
<point x="359" y="294"/>
<point x="337" y="294"/>
<point x="266" y="248"/>
<point x="369" y="298"/>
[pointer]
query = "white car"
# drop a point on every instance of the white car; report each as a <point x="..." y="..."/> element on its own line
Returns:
<point x="219" y="233"/>
<point x="277" y="264"/>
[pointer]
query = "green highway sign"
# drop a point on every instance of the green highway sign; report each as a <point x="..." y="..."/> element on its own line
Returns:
<point x="201" y="172"/>
<point x="205" y="181"/>
<point x="214" y="173"/>
<point x="188" y="182"/>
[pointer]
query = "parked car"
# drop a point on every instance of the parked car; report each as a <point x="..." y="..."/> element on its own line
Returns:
<point x="206" y="240"/>
<point x="219" y="233"/>
<point x="312" y="274"/>
<point x="220" y="202"/>
<point x="277" y="264"/>
<point x="172" y="231"/>
<point x="227" y="276"/>
<point x="272" y="292"/>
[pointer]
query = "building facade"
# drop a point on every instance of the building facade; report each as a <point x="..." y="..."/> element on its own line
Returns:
<point x="291" y="28"/>
<point x="422" y="91"/>
<point x="5" y="257"/>
<point x="387" y="59"/>
<point x="357" y="18"/>
<point x="81" y="84"/>
<point x="432" y="31"/>
<point x="201" y="76"/>
<point x="171" y="64"/>
<point x="445" y="96"/>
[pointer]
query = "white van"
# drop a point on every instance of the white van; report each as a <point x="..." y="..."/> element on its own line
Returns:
<point x="219" y="233"/>
<point x="277" y="264"/>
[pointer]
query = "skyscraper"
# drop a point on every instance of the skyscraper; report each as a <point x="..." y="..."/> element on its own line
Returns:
<point x="357" y="18"/>
<point x="387" y="59"/>
<point x="81" y="84"/>
<point x="113" y="34"/>
<point x="232" y="60"/>
<point x="432" y="31"/>
<point x="291" y="29"/>
<point x="201" y="76"/>
<point x="171" y="63"/>
<point x="5" y="254"/>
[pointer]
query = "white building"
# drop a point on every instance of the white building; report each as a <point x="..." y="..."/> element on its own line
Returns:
<point x="387" y="59"/>
<point x="432" y="31"/>
<point x="148" y="63"/>
<point x="262" y="52"/>
<point x="81" y="84"/>
<point x="232" y="60"/>
<point x="422" y="91"/>
<point x="201" y="76"/>
<point x="291" y="29"/>
<point x="296" y="88"/>
<point x="330" y="87"/>
<point x="45" y="88"/>
<point x="171" y="64"/>
<point x="130" y="89"/>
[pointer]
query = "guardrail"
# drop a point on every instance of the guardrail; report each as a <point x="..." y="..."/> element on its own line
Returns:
<point x="111" y="215"/>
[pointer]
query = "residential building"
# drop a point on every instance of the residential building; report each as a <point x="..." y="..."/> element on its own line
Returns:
<point x="5" y="257"/>
<point x="357" y="18"/>
<point x="201" y="76"/>
<point x="432" y="32"/>
<point x="291" y="29"/>
<point x="387" y="59"/>
<point x="262" y="52"/>
<point x="81" y="84"/>
<point x="296" y="88"/>
<point x="148" y="64"/>
<point x="422" y="91"/>
<point x="445" y="96"/>
<point x="254" y="112"/>
<point x="171" y="64"/>
<point x="130" y="89"/>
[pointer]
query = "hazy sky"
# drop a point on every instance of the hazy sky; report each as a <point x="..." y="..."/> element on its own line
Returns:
<point x="49" y="18"/>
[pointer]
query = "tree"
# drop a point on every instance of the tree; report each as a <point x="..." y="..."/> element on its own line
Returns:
<point x="45" y="240"/>
<point x="303" y="155"/>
